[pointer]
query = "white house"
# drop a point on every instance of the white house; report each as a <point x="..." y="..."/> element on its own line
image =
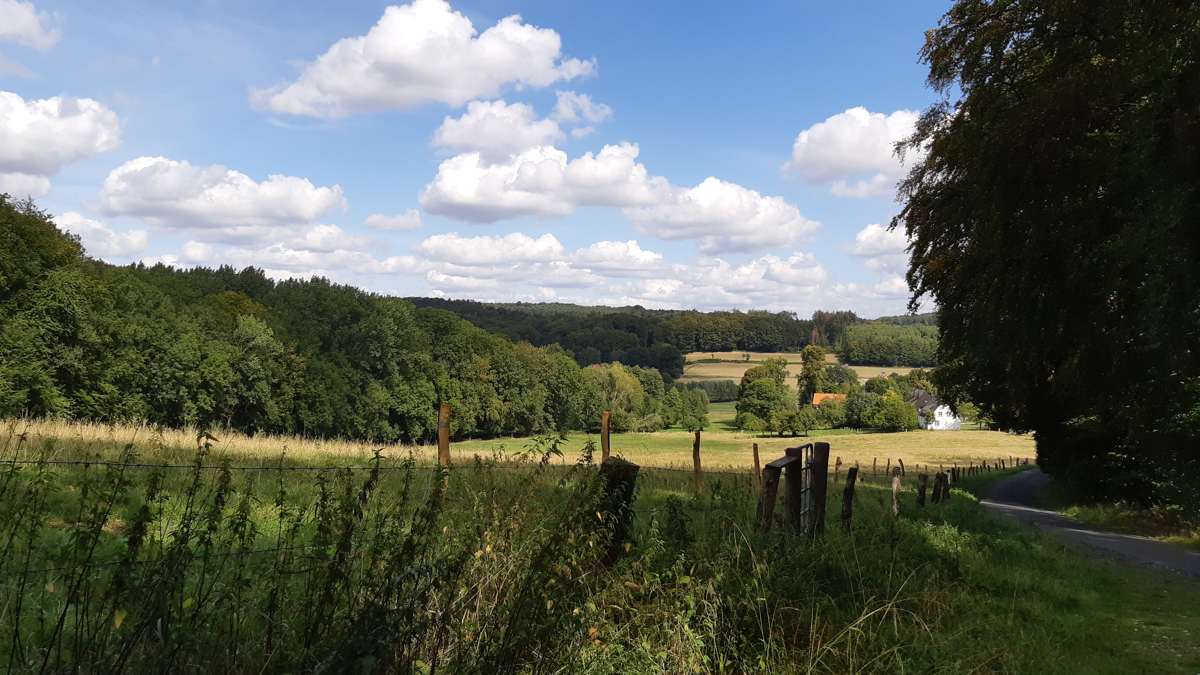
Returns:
<point x="943" y="419"/>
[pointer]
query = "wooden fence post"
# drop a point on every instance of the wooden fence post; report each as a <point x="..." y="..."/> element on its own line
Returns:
<point x="757" y="470"/>
<point x="848" y="497"/>
<point x="443" y="429"/>
<point x="766" y="500"/>
<point x="699" y="475"/>
<point x="887" y="470"/>
<point x="922" y="485"/>
<point x="605" y="448"/>
<point x="873" y="472"/>
<point x="896" y="493"/>
<point x="620" y="483"/>
<point x="901" y="466"/>
<point x="818" y="477"/>
<point x="837" y="467"/>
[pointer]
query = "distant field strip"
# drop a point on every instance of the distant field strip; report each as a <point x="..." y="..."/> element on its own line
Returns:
<point x="732" y="365"/>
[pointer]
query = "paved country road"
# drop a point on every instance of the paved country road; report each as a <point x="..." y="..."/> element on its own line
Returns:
<point x="1014" y="497"/>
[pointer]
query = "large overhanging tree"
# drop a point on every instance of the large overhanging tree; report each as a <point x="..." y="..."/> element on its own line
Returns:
<point x="1054" y="212"/>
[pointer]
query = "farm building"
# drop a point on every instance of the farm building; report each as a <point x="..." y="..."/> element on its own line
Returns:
<point x="943" y="419"/>
<point x="932" y="413"/>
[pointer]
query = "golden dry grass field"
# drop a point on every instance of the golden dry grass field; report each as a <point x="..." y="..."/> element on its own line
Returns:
<point x="721" y="446"/>
<point x="731" y="365"/>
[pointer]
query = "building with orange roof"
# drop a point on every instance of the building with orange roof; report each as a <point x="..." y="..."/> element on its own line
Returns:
<point x="821" y="396"/>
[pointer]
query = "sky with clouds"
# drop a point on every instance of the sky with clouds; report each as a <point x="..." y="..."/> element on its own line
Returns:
<point x="703" y="155"/>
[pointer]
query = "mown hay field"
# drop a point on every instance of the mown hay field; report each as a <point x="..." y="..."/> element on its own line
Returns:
<point x="721" y="447"/>
<point x="731" y="366"/>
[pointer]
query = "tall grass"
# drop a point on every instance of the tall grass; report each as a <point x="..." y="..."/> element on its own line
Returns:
<point x="498" y="566"/>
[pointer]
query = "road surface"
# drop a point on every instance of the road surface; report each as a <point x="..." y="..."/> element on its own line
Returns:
<point x="1014" y="497"/>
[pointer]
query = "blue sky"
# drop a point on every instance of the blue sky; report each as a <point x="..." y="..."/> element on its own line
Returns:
<point x="666" y="154"/>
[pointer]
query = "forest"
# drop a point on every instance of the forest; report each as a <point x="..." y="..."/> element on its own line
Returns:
<point x="659" y="338"/>
<point x="889" y="344"/>
<point x="82" y="339"/>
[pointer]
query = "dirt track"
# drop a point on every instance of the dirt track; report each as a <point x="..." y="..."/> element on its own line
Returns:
<point x="1015" y="495"/>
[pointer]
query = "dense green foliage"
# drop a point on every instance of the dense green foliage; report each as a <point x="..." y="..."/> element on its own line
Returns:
<point x="1054" y="222"/>
<point x="718" y="391"/>
<point x="656" y="338"/>
<point x="889" y="344"/>
<point x="86" y="340"/>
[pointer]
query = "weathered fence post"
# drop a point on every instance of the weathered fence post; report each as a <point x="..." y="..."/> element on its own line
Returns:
<point x="757" y="470"/>
<point x="837" y="467"/>
<point x="766" y="500"/>
<point x="604" y="442"/>
<point x="848" y="497"/>
<point x="620" y="485"/>
<point x="922" y="485"/>
<point x="818" y="477"/>
<point x="873" y="472"/>
<point x="699" y="475"/>
<point x="901" y="466"/>
<point x="793" y="477"/>
<point x="887" y="470"/>
<point x="896" y="493"/>
<point x="443" y="430"/>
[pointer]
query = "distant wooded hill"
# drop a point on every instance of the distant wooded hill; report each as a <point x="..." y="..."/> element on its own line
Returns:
<point x="660" y="338"/>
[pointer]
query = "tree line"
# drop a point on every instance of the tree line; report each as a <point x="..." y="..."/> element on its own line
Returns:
<point x="1066" y="285"/>
<point x="660" y="338"/>
<point x="765" y="403"/>
<point x="82" y="339"/>
<point x="890" y="344"/>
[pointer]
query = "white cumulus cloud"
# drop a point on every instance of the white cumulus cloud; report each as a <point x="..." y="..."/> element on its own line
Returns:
<point x="20" y="22"/>
<point x="723" y="216"/>
<point x="853" y="152"/>
<point x="99" y="239"/>
<point x="39" y="137"/>
<point x="618" y="258"/>
<point x="424" y="52"/>
<point x="175" y="193"/>
<point x="496" y="129"/>
<point x="491" y="250"/>
<point x="24" y="185"/>
<point x="875" y="239"/>
<point x="401" y="222"/>
<point x="574" y="107"/>
<point x="541" y="181"/>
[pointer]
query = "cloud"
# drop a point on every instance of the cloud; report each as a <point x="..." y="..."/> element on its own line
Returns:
<point x="176" y="194"/>
<point x="723" y="216"/>
<point x="20" y="22"/>
<point x="24" y="185"/>
<point x="101" y="240"/>
<point x="617" y="258"/>
<point x="423" y="52"/>
<point x="39" y="137"/>
<point x="496" y="129"/>
<point x="451" y="282"/>
<point x="574" y="107"/>
<point x="540" y="181"/>
<point x="894" y="286"/>
<point x="883" y="250"/>
<point x="875" y="239"/>
<point x="491" y="250"/>
<point x="401" y="222"/>
<point x="853" y="152"/>
<point x="197" y="252"/>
